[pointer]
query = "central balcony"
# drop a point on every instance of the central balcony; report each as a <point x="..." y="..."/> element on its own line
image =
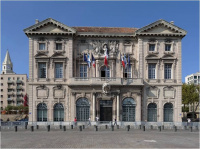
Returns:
<point x="100" y="81"/>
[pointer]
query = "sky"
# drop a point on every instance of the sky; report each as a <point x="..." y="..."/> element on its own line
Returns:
<point x="16" y="16"/>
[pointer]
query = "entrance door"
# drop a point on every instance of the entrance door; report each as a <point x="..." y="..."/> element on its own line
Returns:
<point x="106" y="110"/>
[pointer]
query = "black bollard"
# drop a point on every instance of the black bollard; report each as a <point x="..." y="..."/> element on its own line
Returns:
<point x="128" y="127"/>
<point x="83" y="126"/>
<point x="32" y="128"/>
<point x="159" y="128"/>
<point x="143" y="127"/>
<point x="15" y="128"/>
<point x="96" y="128"/>
<point x="112" y="127"/>
<point x="48" y="128"/>
<point x="163" y="127"/>
<point x="80" y="128"/>
<point x="175" y="128"/>
<point x="151" y="127"/>
<point x="71" y="126"/>
<point x="106" y="126"/>
<point x="60" y="126"/>
<point x="117" y="126"/>
<point x="64" y="128"/>
<point x="190" y="129"/>
<point x="37" y="126"/>
<point x="25" y="126"/>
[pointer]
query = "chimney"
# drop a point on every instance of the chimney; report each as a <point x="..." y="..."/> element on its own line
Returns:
<point x="37" y="21"/>
<point x="172" y="22"/>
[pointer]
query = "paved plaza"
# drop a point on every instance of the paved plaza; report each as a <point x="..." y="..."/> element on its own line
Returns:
<point x="103" y="138"/>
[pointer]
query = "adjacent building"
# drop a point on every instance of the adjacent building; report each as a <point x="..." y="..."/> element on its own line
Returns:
<point x="193" y="78"/>
<point x="62" y="86"/>
<point x="13" y="86"/>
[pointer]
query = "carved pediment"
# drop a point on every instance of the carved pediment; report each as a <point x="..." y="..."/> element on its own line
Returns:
<point x="59" y="91"/>
<point x="42" y="92"/>
<point x="151" y="56"/>
<point x="161" y="27"/>
<point x="49" y="26"/>
<point x="41" y="54"/>
<point x="169" y="56"/>
<point x="169" y="92"/>
<point x="152" y="92"/>
<point x="58" y="55"/>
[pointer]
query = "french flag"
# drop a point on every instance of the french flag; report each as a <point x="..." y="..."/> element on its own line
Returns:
<point x="129" y="63"/>
<point x="88" y="60"/>
<point x="106" y="58"/>
<point x="123" y="61"/>
<point x="93" y="61"/>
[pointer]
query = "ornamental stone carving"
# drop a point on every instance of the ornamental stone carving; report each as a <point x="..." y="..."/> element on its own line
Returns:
<point x="106" y="88"/>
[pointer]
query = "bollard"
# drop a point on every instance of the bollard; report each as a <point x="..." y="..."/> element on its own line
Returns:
<point x="190" y="129"/>
<point x="175" y="129"/>
<point x="96" y="128"/>
<point x="117" y="126"/>
<point x="83" y="126"/>
<point x="163" y="127"/>
<point x="159" y="128"/>
<point x="48" y="128"/>
<point x="15" y="128"/>
<point x="143" y="127"/>
<point x="80" y="128"/>
<point x="106" y="126"/>
<point x="60" y="126"/>
<point x="37" y="126"/>
<point x="151" y="127"/>
<point x="25" y="126"/>
<point x="64" y="128"/>
<point x="185" y="127"/>
<point x="32" y="128"/>
<point x="128" y="127"/>
<point x="71" y="126"/>
<point x="112" y="127"/>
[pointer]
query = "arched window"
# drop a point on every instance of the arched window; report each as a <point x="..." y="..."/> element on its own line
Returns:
<point x="82" y="109"/>
<point x="42" y="112"/>
<point x="168" y="112"/>
<point x="152" y="112"/>
<point x="105" y="72"/>
<point x="128" y="107"/>
<point x="58" y="112"/>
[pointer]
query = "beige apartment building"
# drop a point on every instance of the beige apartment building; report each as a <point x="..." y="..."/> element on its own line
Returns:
<point x="62" y="86"/>
<point x="13" y="86"/>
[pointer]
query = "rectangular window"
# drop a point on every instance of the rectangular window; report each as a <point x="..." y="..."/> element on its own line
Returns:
<point x="168" y="69"/>
<point x="59" y="70"/>
<point x="1" y="96"/>
<point x="128" y="72"/>
<point x="1" y="84"/>
<point x="83" y="71"/>
<point x="152" y="71"/>
<point x="9" y="78"/>
<point x="195" y="77"/>
<point x="151" y="47"/>
<point x="41" y="46"/>
<point x="1" y="90"/>
<point x="1" y="78"/>
<point x="58" y="46"/>
<point x="8" y="96"/>
<point x="167" y="47"/>
<point x="42" y="70"/>
<point x="18" y="78"/>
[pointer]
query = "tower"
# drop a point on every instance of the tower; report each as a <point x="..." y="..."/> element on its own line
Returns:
<point x="7" y="66"/>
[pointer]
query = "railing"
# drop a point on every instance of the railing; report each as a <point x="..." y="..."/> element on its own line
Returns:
<point x="19" y="81"/>
<point x="10" y="82"/>
<point x="9" y="99"/>
<point x="19" y="87"/>
<point x="101" y="80"/>
<point x="19" y="99"/>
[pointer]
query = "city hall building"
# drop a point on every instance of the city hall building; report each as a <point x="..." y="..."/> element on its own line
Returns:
<point x="63" y="86"/>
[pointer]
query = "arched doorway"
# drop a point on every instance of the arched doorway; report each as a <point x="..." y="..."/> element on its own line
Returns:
<point x="82" y="109"/>
<point x="58" y="112"/>
<point x="128" y="108"/>
<point x="152" y="112"/>
<point x="168" y="112"/>
<point x="42" y="112"/>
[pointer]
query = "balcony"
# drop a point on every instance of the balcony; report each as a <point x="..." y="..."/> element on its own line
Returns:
<point x="19" y="99"/>
<point x="10" y="93"/>
<point x="101" y="81"/>
<point x="10" y="82"/>
<point x="19" y="93"/>
<point x="19" y="87"/>
<point x="9" y="99"/>
<point x="19" y="82"/>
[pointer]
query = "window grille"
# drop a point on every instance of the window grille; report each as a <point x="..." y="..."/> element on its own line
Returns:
<point x="83" y="71"/>
<point x="59" y="70"/>
<point x="41" y="46"/>
<point x="58" y="112"/>
<point x="152" y="112"/>
<point x="151" y="47"/>
<point x="128" y="72"/>
<point x="168" y="68"/>
<point x="42" y="112"/>
<point x="128" y="110"/>
<point x="42" y="70"/>
<point x="152" y="71"/>
<point x="168" y="112"/>
<point x="82" y="109"/>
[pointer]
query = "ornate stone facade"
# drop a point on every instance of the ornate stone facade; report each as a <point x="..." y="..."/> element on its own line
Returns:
<point x="58" y="74"/>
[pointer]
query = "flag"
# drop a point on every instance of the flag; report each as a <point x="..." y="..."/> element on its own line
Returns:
<point x="106" y="57"/>
<point x="93" y="61"/>
<point x="125" y="61"/>
<point x="25" y="100"/>
<point x="122" y="58"/>
<point x="88" y="60"/>
<point x="84" y="57"/>
<point x="129" y="63"/>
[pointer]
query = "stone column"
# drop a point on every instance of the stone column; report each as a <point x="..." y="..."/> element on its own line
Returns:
<point x="138" y="108"/>
<point x="118" y="107"/>
<point x="97" y="67"/>
<point x="93" y="107"/>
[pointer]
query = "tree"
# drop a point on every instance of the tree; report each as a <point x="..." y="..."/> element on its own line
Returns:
<point x="190" y="95"/>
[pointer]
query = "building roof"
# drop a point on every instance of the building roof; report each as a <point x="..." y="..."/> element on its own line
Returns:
<point x="105" y="29"/>
<point x="7" y="59"/>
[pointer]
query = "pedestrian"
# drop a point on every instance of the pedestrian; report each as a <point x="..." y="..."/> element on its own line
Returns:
<point x="89" y="124"/>
<point x="115" y="121"/>
<point x="97" y="119"/>
<point x="8" y="119"/>
<point x="75" y="121"/>
<point x="189" y="120"/>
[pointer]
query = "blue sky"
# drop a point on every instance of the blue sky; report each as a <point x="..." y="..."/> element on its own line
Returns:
<point x="16" y="16"/>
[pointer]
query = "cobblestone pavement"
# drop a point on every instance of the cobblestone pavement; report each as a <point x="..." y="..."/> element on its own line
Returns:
<point x="89" y="138"/>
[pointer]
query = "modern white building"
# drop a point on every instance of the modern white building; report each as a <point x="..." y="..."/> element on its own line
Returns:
<point x="193" y="78"/>
<point x="62" y="86"/>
